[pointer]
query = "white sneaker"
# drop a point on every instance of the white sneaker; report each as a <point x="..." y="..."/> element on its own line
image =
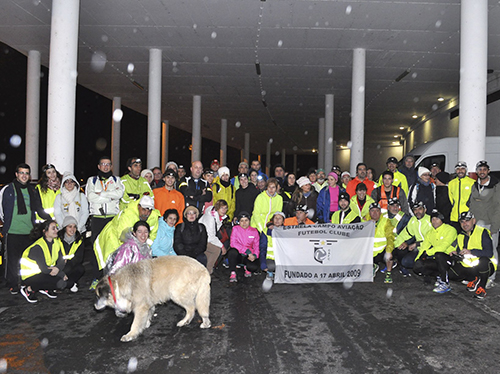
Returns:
<point x="74" y="288"/>
<point x="490" y="284"/>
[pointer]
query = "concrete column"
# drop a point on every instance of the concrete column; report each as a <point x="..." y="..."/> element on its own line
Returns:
<point x="358" y="108"/>
<point x="62" y="84"/>
<point x="329" y="144"/>
<point x="283" y="157"/>
<point x="33" y="112"/>
<point x="164" y="144"/>
<point x="321" y="143"/>
<point x="154" y="108"/>
<point x="246" y="153"/>
<point x="196" y="139"/>
<point x="473" y="81"/>
<point x="268" y="157"/>
<point x="223" y="142"/>
<point x="116" y="134"/>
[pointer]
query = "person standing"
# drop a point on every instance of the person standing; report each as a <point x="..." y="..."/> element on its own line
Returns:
<point x="328" y="199"/>
<point x="71" y="202"/>
<point x="408" y="169"/>
<point x="19" y="202"/>
<point x="443" y="203"/>
<point x="399" y="178"/>
<point x="222" y="189"/>
<point x="103" y="192"/>
<point x="245" y="195"/>
<point x="423" y="190"/>
<point x="196" y="190"/>
<point x="242" y="169"/>
<point x="387" y="191"/>
<point x="167" y="197"/>
<point x="459" y="190"/>
<point x="49" y="187"/>
<point x="361" y="177"/>
<point x="135" y="185"/>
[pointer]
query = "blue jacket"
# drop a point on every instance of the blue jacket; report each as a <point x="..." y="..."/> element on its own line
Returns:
<point x="163" y="245"/>
<point x="323" y="204"/>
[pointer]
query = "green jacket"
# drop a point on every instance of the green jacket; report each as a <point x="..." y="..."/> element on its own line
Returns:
<point x="459" y="191"/>
<point x="366" y="208"/>
<point x="415" y="229"/>
<point x="399" y="180"/>
<point x="438" y="240"/>
<point x="109" y="239"/>
<point x="264" y="208"/>
<point x="135" y="187"/>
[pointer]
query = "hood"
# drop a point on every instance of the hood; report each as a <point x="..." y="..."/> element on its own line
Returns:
<point x="67" y="175"/>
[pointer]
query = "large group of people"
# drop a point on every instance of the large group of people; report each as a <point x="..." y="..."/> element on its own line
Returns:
<point x="426" y="222"/>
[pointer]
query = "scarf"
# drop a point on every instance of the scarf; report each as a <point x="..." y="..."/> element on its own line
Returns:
<point x="54" y="185"/>
<point x="225" y="184"/>
<point x="21" y="205"/>
<point x="104" y="176"/>
<point x="70" y="201"/>
<point x="69" y="239"/>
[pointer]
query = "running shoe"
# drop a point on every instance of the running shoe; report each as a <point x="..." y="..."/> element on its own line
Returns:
<point x="248" y="274"/>
<point x="388" y="277"/>
<point x="490" y="283"/>
<point x="480" y="293"/>
<point x="74" y="289"/>
<point x="14" y="291"/>
<point x="232" y="277"/>
<point x="268" y="282"/>
<point x="49" y="293"/>
<point x="29" y="295"/>
<point x="375" y="269"/>
<point x="472" y="285"/>
<point x="404" y="271"/>
<point x="93" y="285"/>
<point x="438" y="281"/>
<point x="443" y="287"/>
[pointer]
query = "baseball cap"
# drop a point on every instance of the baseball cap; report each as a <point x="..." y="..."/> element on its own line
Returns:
<point x="461" y="164"/>
<point x="374" y="205"/>
<point x="170" y="172"/>
<point x="436" y="214"/>
<point x="394" y="160"/>
<point x="393" y="201"/>
<point x="243" y="214"/>
<point x="242" y="175"/>
<point x="482" y="163"/>
<point x="215" y="162"/>
<point x="466" y="216"/>
<point x="147" y="202"/>
<point x="418" y="204"/>
<point x="301" y="208"/>
<point x="344" y="196"/>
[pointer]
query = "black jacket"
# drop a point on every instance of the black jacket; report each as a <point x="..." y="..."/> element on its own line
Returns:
<point x="196" y="192"/>
<point x="190" y="239"/>
<point x="245" y="198"/>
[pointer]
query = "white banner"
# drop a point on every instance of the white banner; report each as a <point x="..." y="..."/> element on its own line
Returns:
<point x="325" y="253"/>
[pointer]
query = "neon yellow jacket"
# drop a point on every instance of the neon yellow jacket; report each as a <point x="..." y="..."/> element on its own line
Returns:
<point x="384" y="237"/>
<point x="399" y="180"/>
<point x="416" y="228"/>
<point x="438" y="240"/>
<point x="48" y="199"/>
<point x="459" y="190"/>
<point x="263" y="209"/>
<point x="225" y="193"/>
<point x="109" y="239"/>
<point x="29" y="267"/>
<point x="134" y="186"/>
<point x="366" y="208"/>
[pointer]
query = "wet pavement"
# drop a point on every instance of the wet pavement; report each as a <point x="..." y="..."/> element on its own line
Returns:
<point x="314" y="328"/>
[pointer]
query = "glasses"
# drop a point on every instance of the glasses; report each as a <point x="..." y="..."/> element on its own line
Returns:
<point x="105" y="163"/>
<point x="23" y="172"/>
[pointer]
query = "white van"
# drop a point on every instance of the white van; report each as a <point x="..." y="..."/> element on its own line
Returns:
<point x="445" y="152"/>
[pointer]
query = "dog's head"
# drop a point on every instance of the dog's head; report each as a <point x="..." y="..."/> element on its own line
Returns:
<point x="104" y="297"/>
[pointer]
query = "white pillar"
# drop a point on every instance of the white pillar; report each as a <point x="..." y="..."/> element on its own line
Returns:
<point x="283" y="157"/>
<point x="164" y="144"/>
<point x="196" y="139"/>
<point x="473" y="81"/>
<point x="33" y="112"/>
<point x="358" y="107"/>
<point x="115" y="135"/>
<point x="321" y="144"/>
<point x="223" y="142"/>
<point x="62" y="84"/>
<point x="246" y="153"/>
<point x="268" y="157"/>
<point x="329" y="144"/>
<point x="154" y="108"/>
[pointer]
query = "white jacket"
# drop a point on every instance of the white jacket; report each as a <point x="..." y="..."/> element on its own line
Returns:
<point x="104" y="197"/>
<point x="212" y="223"/>
<point x="64" y="208"/>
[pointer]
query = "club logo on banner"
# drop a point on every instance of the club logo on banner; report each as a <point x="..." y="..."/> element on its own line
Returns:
<point x="325" y="253"/>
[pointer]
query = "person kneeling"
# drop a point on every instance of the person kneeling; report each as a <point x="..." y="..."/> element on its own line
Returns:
<point x="244" y="247"/>
<point x="134" y="249"/>
<point x="42" y="263"/>
<point x="73" y="251"/>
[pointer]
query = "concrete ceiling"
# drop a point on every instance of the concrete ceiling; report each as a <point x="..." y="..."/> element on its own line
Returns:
<point x="304" y="48"/>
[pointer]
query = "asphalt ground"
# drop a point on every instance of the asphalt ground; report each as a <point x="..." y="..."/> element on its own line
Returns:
<point x="313" y="328"/>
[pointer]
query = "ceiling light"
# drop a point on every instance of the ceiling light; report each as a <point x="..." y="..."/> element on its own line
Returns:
<point x="401" y="127"/>
<point x="396" y="136"/>
<point x="414" y="116"/>
<point x="313" y="151"/>
<point x="440" y="98"/>
<point x="395" y="142"/>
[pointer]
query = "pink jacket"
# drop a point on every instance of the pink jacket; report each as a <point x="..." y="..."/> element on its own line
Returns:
<point x="131" y="251"/>
<point x="243" y="239"/>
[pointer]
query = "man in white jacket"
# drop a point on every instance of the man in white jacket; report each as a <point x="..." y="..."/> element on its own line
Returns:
<point x="104" y="192"/>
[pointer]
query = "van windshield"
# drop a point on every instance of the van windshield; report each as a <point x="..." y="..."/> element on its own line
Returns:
<point x="427" y="162"/>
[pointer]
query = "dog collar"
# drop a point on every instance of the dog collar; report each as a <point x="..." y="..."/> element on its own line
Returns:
<point x="112" y="289"/>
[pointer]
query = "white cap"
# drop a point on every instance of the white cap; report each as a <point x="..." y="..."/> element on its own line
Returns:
<point x="147" y="202"/>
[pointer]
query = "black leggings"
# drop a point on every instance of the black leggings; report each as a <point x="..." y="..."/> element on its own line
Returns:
<point x="234" y="257"/>
<point x="45" y="282"/>
<point x="449" y="269"/>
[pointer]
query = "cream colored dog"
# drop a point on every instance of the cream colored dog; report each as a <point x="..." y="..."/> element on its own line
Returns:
<point x="139" y="287"/>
